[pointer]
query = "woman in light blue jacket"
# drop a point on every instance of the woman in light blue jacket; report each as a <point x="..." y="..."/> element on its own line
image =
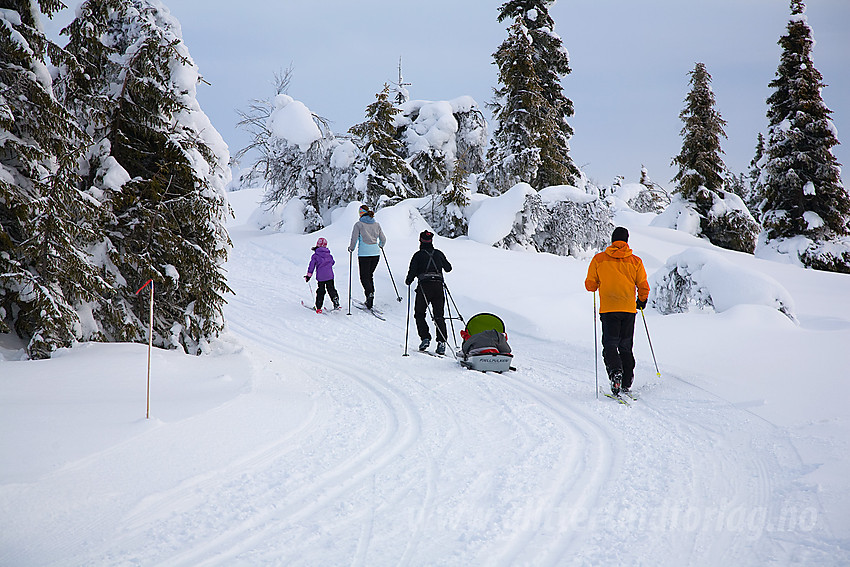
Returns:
<point x="368" y="237"/>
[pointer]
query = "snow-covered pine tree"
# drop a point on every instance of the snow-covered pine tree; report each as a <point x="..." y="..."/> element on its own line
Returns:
<point x="551" y="64"/>
<point x="388" y="178"/>
<point x="168" y="207"/>
<point x="47" y="277"/>
<point x="724" y="220"/>
<point x="800" y="184"/>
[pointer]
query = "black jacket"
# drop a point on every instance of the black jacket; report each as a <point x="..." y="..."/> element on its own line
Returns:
<point x="427" y="261"/>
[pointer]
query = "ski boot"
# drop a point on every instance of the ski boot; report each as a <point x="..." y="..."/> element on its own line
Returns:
<point x="616" y="382"/>
<point x="370" y="300"/>
<point x="424" y="344"/>
<point x="441" y="348"/>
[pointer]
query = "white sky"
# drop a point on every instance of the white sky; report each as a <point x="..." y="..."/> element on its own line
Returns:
<point x="629" y="64"/>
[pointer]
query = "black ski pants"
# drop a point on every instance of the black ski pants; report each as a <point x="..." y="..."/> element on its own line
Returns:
<point x="618" y="333"/>
<point x="430" y="292"/>
<point x="326" y="286"/>
<point x="367" y="265"/>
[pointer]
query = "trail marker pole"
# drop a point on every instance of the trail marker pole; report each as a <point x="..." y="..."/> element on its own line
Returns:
<point x="150" y="346"/>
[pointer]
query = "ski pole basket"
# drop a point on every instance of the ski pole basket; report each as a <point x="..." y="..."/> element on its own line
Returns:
<point x="485" y="344"/>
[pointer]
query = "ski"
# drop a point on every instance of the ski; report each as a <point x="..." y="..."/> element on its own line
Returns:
<point x="630" y="395"/>
<point x="618" y="399"/>
<point x="377" y="314"/>
<point x="361" y="305"/>
<point x="429" y="353"/>
<point x="311" y="308"/>
<point x="324" y="310"/>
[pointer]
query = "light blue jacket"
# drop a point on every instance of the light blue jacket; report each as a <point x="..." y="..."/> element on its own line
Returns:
<point x="368" y="236"/>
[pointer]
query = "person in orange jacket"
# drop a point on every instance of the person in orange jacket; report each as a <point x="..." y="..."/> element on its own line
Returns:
<point x="617" y="273"/>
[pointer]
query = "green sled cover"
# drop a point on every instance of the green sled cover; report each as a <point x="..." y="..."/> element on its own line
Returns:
<point x="484" y="322"/>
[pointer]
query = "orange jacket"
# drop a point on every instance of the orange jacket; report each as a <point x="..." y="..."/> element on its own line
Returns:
<point x="616" y="273"/>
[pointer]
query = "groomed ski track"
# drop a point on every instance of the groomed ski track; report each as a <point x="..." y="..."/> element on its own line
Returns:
<point x="357" y="455"/>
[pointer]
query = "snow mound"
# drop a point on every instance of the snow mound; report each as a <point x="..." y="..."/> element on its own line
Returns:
<point x="705" y="279"/>
<point x="292" y="121"/>
<point x="495" y="217"/>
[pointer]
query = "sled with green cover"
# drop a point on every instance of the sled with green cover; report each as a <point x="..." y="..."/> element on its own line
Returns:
<point x="485" y="344"/>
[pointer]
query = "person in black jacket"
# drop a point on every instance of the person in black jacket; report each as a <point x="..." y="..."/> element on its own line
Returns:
<point x="428" y="264"/>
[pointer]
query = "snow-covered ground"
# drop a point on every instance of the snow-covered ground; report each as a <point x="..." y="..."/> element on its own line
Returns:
<point x="312" y="439"/>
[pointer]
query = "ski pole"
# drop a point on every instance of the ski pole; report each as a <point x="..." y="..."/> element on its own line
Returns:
<point x="310" y="287"/>
<point x="595" y="347"/>
<point x="657" y="372"/>
<point x="407" y="326"/>
<point x="449" y="312"/>
<point x="398" y="297"/>
<point x="350" y="262"/>
<point x="452" y="299"/>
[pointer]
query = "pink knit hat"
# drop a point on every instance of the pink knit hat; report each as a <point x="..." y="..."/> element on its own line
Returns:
<point x="321" y="242"/>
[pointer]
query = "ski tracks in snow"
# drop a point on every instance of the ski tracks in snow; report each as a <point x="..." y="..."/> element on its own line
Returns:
<point x="412" y="460"/>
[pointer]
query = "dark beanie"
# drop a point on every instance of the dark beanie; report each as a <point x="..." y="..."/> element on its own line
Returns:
<point x="620" y="233"/>
<point x="426" y="236"/>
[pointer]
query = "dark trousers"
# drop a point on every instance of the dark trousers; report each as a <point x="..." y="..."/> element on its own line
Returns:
<point x="618" y="333"/>
<point x="367" y="270"/>
<point x="430" y="292"/>
<point x="324" y="286"/>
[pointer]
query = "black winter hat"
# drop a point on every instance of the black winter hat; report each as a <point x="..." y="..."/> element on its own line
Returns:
<point x="426" y="236"/>
<point x="620" y="233"/>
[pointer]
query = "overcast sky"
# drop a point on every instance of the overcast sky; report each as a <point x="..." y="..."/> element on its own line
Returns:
<point x="630" y="63"/>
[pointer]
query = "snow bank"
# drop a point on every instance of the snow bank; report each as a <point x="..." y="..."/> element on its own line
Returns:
<point x="678" y="216"/>
<point x="494" y="218"/>
<point x="702" y="278"/>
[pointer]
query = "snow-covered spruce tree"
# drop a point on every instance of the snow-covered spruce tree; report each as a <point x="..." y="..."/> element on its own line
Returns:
<point x="566" y="221"/>
<point x="521" y="112"/>
<point x="255" y="121"/>
<point x="699" y="161"/>
<point x="652" y="199"/>
<point x="575" y="227"/>
<point x="292" y="149"/>
<point x="800" y="185"/>
<point x="432" y="169"/>
<point x="445" y="210"/>
<point x="724" y="220"/>
<point x="436" y="133"/>
<point x="752" y="198"/>
<point x="550" y="64"/>
<point x="388" y="178"/>
<point x="160" y="163"/>
<point x="48" y="282"/>
<point x="298" y="148"/>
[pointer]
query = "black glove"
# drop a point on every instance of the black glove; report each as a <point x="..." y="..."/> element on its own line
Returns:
<point x="306" y="278"/>
<point x="641" y="304"/>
